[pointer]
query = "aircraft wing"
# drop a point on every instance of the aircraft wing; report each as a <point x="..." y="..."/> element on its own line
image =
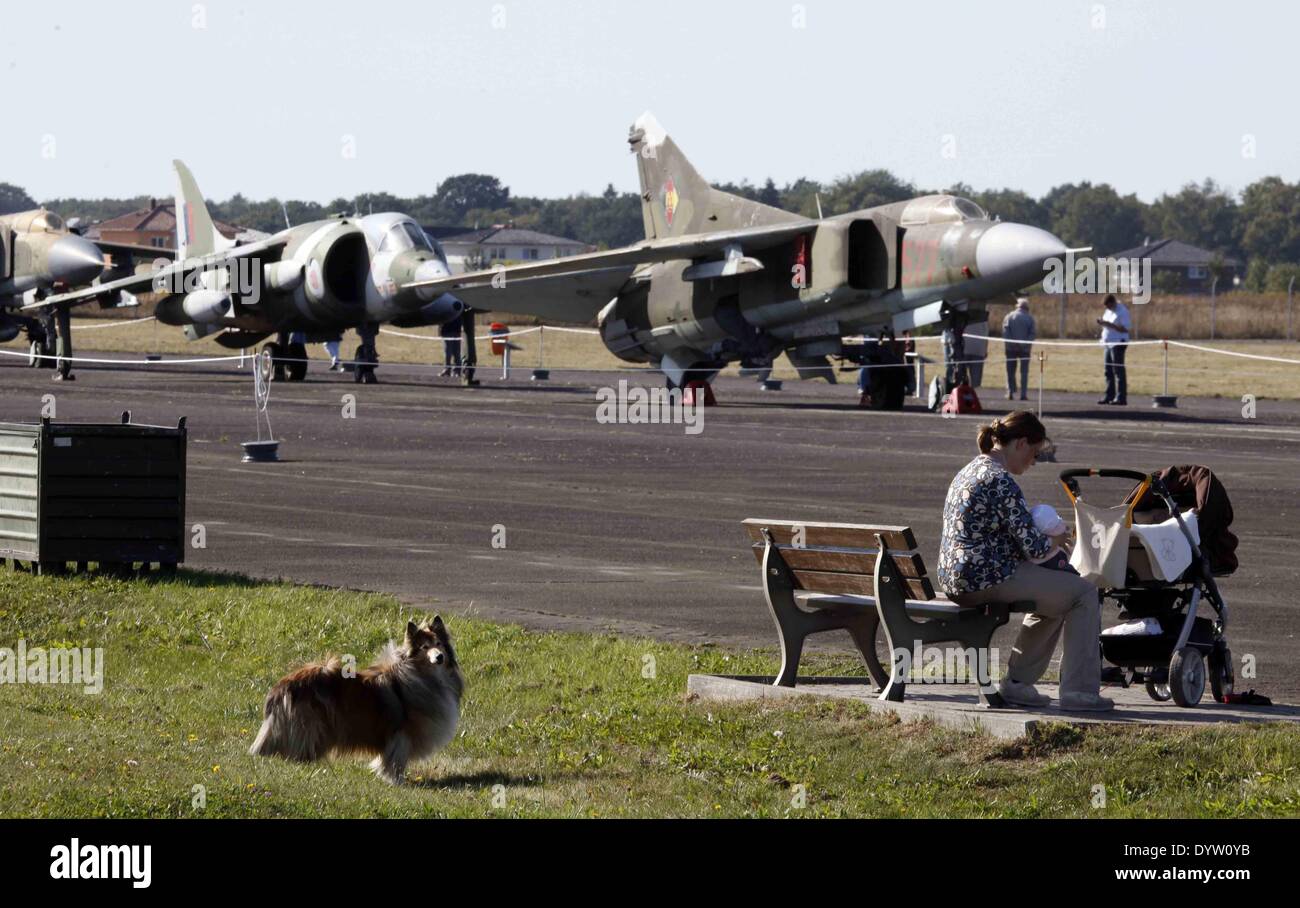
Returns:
<point x="577" y="287"/>
<point x="134" y="251"/>
<point x="145" y="283"/>
<point x="572" y="297"/>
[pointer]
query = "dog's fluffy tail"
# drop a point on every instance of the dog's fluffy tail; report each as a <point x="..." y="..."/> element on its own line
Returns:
<point x="295" y="725"/>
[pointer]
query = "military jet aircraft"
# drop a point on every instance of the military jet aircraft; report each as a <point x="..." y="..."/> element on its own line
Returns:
<point x="316" y="279"/>
<point x="41" y="255"/>
<point x="722" y="279"/>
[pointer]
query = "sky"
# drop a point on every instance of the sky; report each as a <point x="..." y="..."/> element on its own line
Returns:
<point x="320" y="100"/>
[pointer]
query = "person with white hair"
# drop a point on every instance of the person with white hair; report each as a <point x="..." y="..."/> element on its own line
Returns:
<point x="1018" y="335"/>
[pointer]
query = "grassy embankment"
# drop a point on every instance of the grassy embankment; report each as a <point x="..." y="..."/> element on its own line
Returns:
<point x="554" y="725"/>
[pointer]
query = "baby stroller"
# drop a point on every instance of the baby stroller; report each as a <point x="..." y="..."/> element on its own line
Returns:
<point x="1164" y="643"/>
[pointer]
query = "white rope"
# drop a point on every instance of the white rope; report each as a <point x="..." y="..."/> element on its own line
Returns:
<point x="1140" y="343"/>
<point x="115" y="323"/>
<point x="124" y="362"/>
<point x="482" y="337"/>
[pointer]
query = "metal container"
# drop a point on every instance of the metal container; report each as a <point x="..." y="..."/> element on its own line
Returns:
<point x="113" y="494"/>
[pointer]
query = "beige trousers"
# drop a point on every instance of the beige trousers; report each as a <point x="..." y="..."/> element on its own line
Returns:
<point x="1064" y="602"/>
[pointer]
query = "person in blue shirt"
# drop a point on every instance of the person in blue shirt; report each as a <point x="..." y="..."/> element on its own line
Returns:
<point x="986" y="554"/>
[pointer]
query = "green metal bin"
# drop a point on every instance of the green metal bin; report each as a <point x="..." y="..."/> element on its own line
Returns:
<point x="113" y="494"/>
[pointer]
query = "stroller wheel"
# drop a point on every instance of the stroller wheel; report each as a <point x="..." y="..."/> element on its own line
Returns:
<point x="1221" y="674"/>
<point x="1187" y="676"/>
<point x="1158" y="691"/>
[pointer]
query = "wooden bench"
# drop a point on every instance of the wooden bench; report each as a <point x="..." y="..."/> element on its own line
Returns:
<point x="858" y="578"/>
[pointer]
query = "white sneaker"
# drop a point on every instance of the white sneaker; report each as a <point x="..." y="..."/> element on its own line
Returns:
<point x="1022" y="694"/>
<point x="1093" y="703"/>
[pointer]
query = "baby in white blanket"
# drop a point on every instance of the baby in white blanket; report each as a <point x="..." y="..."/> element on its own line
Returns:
<point x="1049" y="523"/>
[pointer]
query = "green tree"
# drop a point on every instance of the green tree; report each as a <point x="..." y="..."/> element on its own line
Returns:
<point x="1204" y="215"/>
<point x="865" y="190"/>
<point x="456" y="196"/>
<point x="1013" y="205"/>
<point x="1096" y="216"/>
<point x="13" y="199"/>
<point x="1270" y="215"/>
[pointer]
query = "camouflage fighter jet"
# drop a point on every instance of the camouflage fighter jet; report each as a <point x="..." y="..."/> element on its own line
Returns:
<point x="41" y="255"/>
<point x="316" y="279"/>
<point x="721" y="279"/>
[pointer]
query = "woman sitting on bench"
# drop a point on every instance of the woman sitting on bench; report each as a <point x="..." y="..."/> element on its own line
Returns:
<point x="986" y="555"/>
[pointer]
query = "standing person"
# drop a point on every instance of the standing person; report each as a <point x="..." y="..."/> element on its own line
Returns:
<point x="450" y="334"/>
<point x="987" y="554"/>
<point x="1019" y="331"/>
<point x="1115" y="328"/>
<point x="471" y="354"/>
<point x="954" y="351"/>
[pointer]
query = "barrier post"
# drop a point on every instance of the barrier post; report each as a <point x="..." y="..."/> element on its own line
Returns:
<point x="1166" y="400"/>
<point x="1042" y="365"/>
<point x="541" y="373"/>
<point x="1214" y="284"/>
<point x="1290" y="308"/>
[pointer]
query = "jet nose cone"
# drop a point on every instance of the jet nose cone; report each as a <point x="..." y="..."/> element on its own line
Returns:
<point x="430" y="271"/>
<point x="1016" y="253"/>
<point x="74" y="260"/>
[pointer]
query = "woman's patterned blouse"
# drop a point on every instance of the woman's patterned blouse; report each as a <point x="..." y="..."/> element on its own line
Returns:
<point x="987" y="529"/>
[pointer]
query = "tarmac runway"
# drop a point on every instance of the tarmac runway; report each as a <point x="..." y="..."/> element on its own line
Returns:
<point x="636" y="528"/>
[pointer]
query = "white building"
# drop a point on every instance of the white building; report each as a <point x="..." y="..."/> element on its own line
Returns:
<point x="506" y="245"/>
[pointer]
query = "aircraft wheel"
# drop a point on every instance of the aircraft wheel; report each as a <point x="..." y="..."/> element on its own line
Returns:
<point x="34" y="352"/>
<point x="297" y="367"/>
<point x="277" y="371"/>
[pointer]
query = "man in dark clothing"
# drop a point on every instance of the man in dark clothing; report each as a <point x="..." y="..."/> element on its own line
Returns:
<point x="450" y="334"/>
<point x="471" y="353"/>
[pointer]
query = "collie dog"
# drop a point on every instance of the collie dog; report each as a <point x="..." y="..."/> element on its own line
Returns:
<point x="399" y="710"/>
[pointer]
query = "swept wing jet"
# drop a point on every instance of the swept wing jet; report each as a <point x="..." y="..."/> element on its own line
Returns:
<point x="316" y="279"/>
<point x="41" y="255"/>
<point x="721" y="279"/>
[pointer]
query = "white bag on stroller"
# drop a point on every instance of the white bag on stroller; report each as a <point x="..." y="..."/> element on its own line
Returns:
<point x="1101" y="544"/>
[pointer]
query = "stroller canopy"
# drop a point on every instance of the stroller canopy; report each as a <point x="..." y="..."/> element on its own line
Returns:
<point x="1194" y="486"/>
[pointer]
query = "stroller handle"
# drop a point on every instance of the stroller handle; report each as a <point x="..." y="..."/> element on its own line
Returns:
<point x="1106" y="473"/>
<point x="1144" y="480"/>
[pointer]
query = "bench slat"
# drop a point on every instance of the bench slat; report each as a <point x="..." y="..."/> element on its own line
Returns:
<point x="838" y="535"/>
<point x="842" y="562"/>
<point x="857" y="584"/>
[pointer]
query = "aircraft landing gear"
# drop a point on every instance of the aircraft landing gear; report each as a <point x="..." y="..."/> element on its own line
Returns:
<point x="63" y="346"/>
<point x="289" y="359"/>
<point x="277" y="360"/>
<point x="40" y="346"/>
<point x="367" y="355"/>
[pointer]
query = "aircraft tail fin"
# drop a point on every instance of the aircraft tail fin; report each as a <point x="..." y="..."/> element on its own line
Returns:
<point x="196" y="234"/>
<point x="676" y="200"/>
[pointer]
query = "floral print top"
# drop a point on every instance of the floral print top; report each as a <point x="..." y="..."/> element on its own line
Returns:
<point x="987" y="529"/>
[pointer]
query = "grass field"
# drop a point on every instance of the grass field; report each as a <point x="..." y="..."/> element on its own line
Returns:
<point x="1070" y="368"/>
<point x="554" y="725"/>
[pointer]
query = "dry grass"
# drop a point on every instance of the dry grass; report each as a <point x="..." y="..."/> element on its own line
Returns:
<point x="1191" y="372"/>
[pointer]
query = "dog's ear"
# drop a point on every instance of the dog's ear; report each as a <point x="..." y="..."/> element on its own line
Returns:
<point x="439" y="629"/>
<point x="411" y="631"/>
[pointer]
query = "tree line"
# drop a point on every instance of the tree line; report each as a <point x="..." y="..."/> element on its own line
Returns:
<point x="1260" y="226"/>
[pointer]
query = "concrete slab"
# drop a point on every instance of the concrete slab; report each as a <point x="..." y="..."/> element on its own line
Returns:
<point x="956" y="705"/>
